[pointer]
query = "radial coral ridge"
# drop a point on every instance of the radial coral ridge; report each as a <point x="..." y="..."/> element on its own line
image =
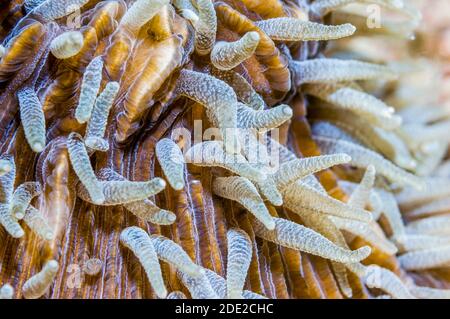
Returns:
<point x="291" y="164"/>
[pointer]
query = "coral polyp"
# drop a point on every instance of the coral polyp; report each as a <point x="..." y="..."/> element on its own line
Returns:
<point x="219" y="149"/>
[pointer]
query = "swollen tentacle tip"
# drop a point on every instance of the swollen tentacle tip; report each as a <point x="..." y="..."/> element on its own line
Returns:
<point x="140" y="243"/>
<point x="293" y="29"/>
<point x="140" y="13"/>
<point x="32" y="117"/>
<point x="227" y="55"/>
<point x="5" y="167"/>
<point x="262" y="120"/>
<point x="37" y="286"/>
<point x="10" y="223"/>
<point x="171" y="159"/>
<point x="97" y="123"/>
<point x="6" y="292"/>
<point x="81" y="164"/>
<point x="89" y="89"/>
<point x="67" y="44"/>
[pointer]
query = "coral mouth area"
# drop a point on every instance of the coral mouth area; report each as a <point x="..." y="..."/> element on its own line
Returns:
<point x="238" y="149"/>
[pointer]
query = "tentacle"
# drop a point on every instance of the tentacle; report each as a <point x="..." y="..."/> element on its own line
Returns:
<point x="176" y="295"/>
<point x="67" y="44"/>
<point x="295" y="236"/>
<point x="55" y="9"/>
<point x="171" y="252"/>
<point x="363" y="157"/>
<point x="325" y="6"/>
<point x="10" y="223"/>
<point x="211" y="153"/>
<point x="238" y="262"/>
<point x="242" y="88"/>
<point x="360" y="197"/>
<point x="96" y="128"/>
<point x="171" y="160"/>
<point x="32" y="117"/>
<point x="218" y="99"/>
<point x="437" y="225"/>
<point x="22" y="198"/>
<point x="206" y="27"/>
<point x="435" y="207"/>
<point x="140" y="243"/>
<point x="145" y="209"/>
<point x="219" y="285"/>
<point x="82" y="166"/>
<point x="299" y="195"/>
<point x="92" y="267"/>
<point x="358" y="102"/>
<point x="90" y="86"/>
<point x="386" y="280"/>
<point x="293" y="29"/>
<point x="425" y="259"/>
<point x="6" y="292"/>
<point x="366" y="232"/>
<point x="334" y="70"/>
<point x="7" y="180"/>
<point x="228" y="55"/>
<point x="391" y="211"/>
<point x="413" y="242"/>
<point x="199" y="287"/>
<point x="245" y="193"/>
<point x="141" y="12"/>
<point x="262" y="120"/>
<point x="37" y="286"/>
<point x="293" y="170"/>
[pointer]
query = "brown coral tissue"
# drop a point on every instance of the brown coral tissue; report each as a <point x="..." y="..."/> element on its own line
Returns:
<point x="224" y="149"/>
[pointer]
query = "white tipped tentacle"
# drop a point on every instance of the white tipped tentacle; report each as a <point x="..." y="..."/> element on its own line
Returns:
<point x="37" y="286"/>
<point x="227" y="55"/>
<point x="171" y="160"/>
<point x="293" y="29"/>
<point x="245" y="193"/>
<point x="32" y="117"/>
<point x="140" y="243"/>
<point x="238" y="262"/>
<point x="81" y="164"/>
<point x="90" y="86"/>
<point x="67" y="44"/>
<point x="96" y="127"/>
<point x="295" y="236"/>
